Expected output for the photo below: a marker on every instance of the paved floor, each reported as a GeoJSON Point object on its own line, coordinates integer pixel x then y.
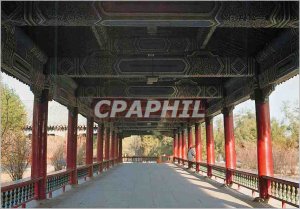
{"type": "Point", "coordinates": [149, 185]}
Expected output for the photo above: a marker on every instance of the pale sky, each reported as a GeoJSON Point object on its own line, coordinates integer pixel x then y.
{"type": "Point", "coordinates": [58, 114]}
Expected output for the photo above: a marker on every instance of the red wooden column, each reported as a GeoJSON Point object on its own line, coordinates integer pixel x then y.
{"type": "Point", "coordinates": [179, 145]}
{"type": "Point", "coordinates": [72, 143]}
{"type": "Point", "coordinates": [198, 147]}
{"type": "Point", "coordinates": [107, 139]}
{"type": "Point", "coordinates": [183, 143]}
{"type": "Point", "coordinates": [39, 142]}
{"type": "Point", "coordinates": [112, 148]}
{"type": "Point", "coordinates": [210, 147]}
{"type": "Point", "coordinates": [190, 137]}
{"type": "Point", "coordinates": [116, 147]}
{"type": "Point", "coordinates": [175, 148]}
{"type": "Point", "coordinates": [120, 149]}
{"type": "Point", "coordinates": [100, 136]}
{"type": "Point", "coordinates": [264, 143]}
{"type": "Point", "coordinates": [190, 141]}
{"type": "Point", "coordinates": [89, 145]}
{"type": "Point", "coordinates": [230, 154]}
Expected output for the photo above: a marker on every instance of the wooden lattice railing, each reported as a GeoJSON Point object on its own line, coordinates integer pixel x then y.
{"type": "Point", "coordinates": [18, 193]}
{"type": "Point", "coordinates": [57, 180]}
{"type": "Point", "coordinates": [285, 191]}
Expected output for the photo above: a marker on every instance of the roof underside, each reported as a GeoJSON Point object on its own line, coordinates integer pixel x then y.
{"type": "Point", "coordinates": [214, 51]}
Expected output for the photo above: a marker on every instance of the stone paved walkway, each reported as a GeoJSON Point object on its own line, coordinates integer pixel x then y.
{"type": "Point", "coordinates": [149, 185]}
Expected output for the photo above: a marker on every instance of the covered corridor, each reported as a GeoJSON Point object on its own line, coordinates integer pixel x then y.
{"type": "Point", "coordinates": [147, 68]}
{"type": "Point", "coordinates": [150, 185]}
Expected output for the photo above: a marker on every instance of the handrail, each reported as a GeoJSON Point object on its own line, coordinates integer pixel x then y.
{"type": "Point", "coordinates": [18, 183]}
{"type": "Point", "coordinates": [60, 172]}
{"type": "Point", "coordinates": [282, 190]}
{"type": "Point", "coordinates": [82, 167]}
{"type": "Point", "coordinates": [243, 172]}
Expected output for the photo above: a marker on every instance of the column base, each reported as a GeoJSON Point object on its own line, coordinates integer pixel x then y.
{"type": "Point", "coordinates": [226, 185]}
{"type": "Point", "coordinates": [260, 199]}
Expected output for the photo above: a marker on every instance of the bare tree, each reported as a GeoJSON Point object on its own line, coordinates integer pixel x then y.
{"type": "Point", "coordinates": [17, 154]}
{"type": "Point", "coordinates": [57, 159]}
{"type": "Point", "coordinates": [81, 155]}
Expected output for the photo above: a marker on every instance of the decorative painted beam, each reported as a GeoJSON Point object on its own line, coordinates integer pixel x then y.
{"type": "Point", "coordinates": [21, 58]}
{"type": "Point", "coordinates": [101, 36]}
{"type": "Point", "coordinates": [185, 88]}
{"type": "Point", "coordinates": [149, 44]}
{"type": "Point", "coordinates": [143, 14]}
{"type": "Point", "coordinates": [25, 61]}
{"type": "Point", "coordinates": [199, 64]}
{"type": "Point", "coordinates": [279, 60]}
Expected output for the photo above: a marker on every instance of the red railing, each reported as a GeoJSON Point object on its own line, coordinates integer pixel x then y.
{"type": "Point", "coordinates": [285, 191]}
{"type": "Point", "coordinates": [245, 179]}
{"type": "Point", "coordinates": [18, 193]}
{"type": "Point", "coordinates": [57, 180]}
{"type": "Point", "coordinates": [218, 171]}
{"type": "Point", "coordinates": [202, 167]}
{"type": "Point", "coordinates": [83, 171]}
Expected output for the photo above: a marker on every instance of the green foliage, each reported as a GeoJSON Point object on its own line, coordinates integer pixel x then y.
{"type": "Point", "coordinates": [219, 138]}
{"type": "Point", "coordinates": [245, 127]}
{"type": "Point", "coordinates": [291, 113]}
{"type": "Point", "coordinates": [203, 141]}
{"type": "Point", "coordinates": [13, 113]}
{"type": "Point", "coordinates": [148, 145]}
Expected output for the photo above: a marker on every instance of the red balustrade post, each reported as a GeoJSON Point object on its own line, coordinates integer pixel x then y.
{"type": "Point", "coordinates": [198, 145]}
{"type": "Point", "coordinates": [112, 148]}
{"type": "Point", "coordinates": [230, 154]}
{"type": "Point", "coordinates": [39, 142]}
{"type": "Point", "coordinates": [89, 145]}
{"type": "Point", "coordinates": [210, 147]}
{"type": "Point", "coordinates": [120, 149]}
{"type": "Point", "coordinates": [183, 148]}
{"type": "Point", "coordinates": [179, 146]}
{"type": "Point", "coordinates": [264, 143]}
{"type": "Point", "coordinates": [100, 136]}
{"type": "Point", "coordinates": [107, 138]}
{"type": "Point", "coordinates": [175, 147]}
{"type": "Point", "coordinates": [190, 141]}
{"type": "Point", "coordinates": [72, 143]}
